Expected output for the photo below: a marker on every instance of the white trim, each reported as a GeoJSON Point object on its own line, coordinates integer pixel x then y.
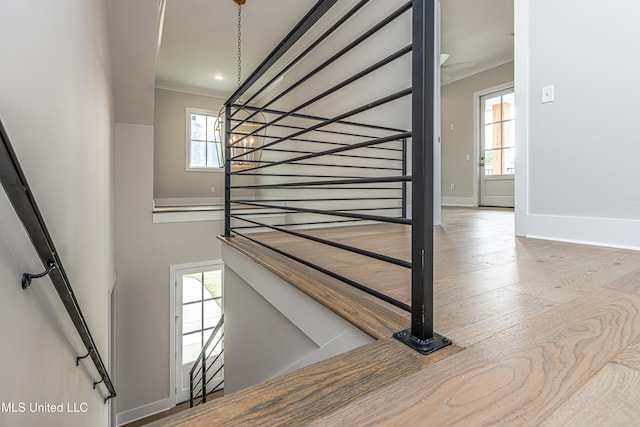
{"type": "Point", "coordinates": [113, 315]}
{"type": "Point", "coordinates": [521, 75]}
{"type": "Point", "coordinates": [191, 90]}
{"type": "Point", "coordinates": [467, 202]}
{"type": "Point", "coordinates": [476, 134]}
{"type": "Point", "coordinates": [197, 216]}
{"type": "Point", "coordinates": [486, 66]}
{"type": "Point", "coordinates": [189, 201]}
{"type": "Point", "coordinates": [187, 126]}
{"type": "Point", "coordinates": [610, 232]}
{"type": "Point", "coordinates": [211, 214]}
{"type": "Point", "coordinates": [437, 114]}
{"type": "Point", "coordinates": [144, 411]}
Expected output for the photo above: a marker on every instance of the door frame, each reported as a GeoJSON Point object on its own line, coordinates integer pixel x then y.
{"type": "Point", "coordinates": [477, 136]}
{"type": "Point", "coordinates": [174, 269]}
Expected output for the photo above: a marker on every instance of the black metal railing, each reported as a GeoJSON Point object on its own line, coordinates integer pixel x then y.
{"type": "Point", "coordinates": [312, 139]}
{"type": "Point", "coordinates": [207, 374]}
{"type": "Point", "coordinates": [24, 203]}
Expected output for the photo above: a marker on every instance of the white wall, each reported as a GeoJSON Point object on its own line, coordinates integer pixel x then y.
{"type": "Point", "coordinates": [577, 166]}
{"type": "Point", "coordinates": [55, 102]}
{"type": "Point", "coordinates": [171, 179]}
{"type": "Point", "coordinates": [144, 252]}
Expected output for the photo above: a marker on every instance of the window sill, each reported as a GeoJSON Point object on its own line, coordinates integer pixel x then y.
{"type": "Point", "coordinates": [206, 170]}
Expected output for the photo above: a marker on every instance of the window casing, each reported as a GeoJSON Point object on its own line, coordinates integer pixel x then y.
{"type": "Point", "coordinates": [204, 148]}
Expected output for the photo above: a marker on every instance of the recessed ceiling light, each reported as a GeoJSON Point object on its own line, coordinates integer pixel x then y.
{"type": "Point", "coordinates": [218, 77]}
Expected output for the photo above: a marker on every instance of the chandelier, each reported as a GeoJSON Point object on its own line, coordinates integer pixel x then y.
{"type": "Point", "coordinates": [247, 132]}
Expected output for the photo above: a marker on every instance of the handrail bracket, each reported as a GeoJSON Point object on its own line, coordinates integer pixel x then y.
{"type": "Point", "coordinates": [26, 277]}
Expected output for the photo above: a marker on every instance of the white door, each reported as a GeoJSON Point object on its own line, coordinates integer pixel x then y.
{"type": "Point", "coordinates": [497, 149]}
{"type": "Point", "coordinates": [198, 308]}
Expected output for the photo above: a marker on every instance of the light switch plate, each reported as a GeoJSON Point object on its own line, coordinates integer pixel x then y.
{"type": "Point", "coordinates": [548, 94]}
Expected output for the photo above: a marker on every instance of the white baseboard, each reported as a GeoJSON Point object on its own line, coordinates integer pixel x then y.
{"type": "Point", "coordinates": [144, 411]}
{"type": "Point", "coordinates": [615, 233]}
{"type": "Point", "coordinates": [458, 201]}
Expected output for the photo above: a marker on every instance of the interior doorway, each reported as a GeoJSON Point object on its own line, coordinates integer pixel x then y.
{"type": "Point", "coordinates": [198, 305]}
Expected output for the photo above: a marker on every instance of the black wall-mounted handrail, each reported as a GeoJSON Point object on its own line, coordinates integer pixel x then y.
{"type": "Point", "coordinates": [24, 203]}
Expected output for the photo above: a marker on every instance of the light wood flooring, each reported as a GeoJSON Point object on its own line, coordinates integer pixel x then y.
{"type": "Point", "coordinates": [545, 333]}
{"type": "Point", "coordinates": [175, 410]}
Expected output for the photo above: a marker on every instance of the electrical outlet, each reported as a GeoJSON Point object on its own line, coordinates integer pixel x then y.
{"type": "Point", "coordinates": [548, 94]}
{"type": "Point", "coordinates": [453, 186]}
{"type": "Point", "coordinates": [213, 189]}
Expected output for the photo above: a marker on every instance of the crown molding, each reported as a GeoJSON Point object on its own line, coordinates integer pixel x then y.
{"type": "Point", "coordinates": [191, 90]}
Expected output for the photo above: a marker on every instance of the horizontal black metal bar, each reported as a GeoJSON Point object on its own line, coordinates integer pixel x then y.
{"type": "Point", "coordinates": [293, 175]}
{"type": "Point", "coordinates": [330, 273]}
{"type": "Point", "coordinates": [208, 343]}
{"type": "Point", "coordinates": [319, 118]}
{"type": "Point", "coordinates": [331, 182]}
{"type": "Point", "coordinates": [374, 104]}
{"type": "Point", "coordinates": [213, 347]}
{"type": "Point", "coordinates": [218, 356]}
{"type": "Point", "coordinates": [301, 223]}
{"type": "Point", "coordinates": [332, 199]}
{"type": "Point", "coordinates": [285, 208]}
{"type": "Point", "coordinates": [308, 50]}
{"type": "Point", "coordinates": [318, 141]}
{"type": "Point", "coordinates": [327, 165]}
{"type": "Point", "coordinates": [337, 213]}
{"type": "Point", "coordinates": [214, 375]}
{"type": "Point", "coordinates": [308, 21]}
{"type": "Point", "coordinates": [355, 77]}
{"type": "Point", "coordinates": [337, 155]}
{"type": "Point", "coordinates": [392, 17]}
{"type": "Point", "coordinates": [353, 249]}
{"type": "Point", "coordinates": [218, 385]}
{"type": "Point", "coordinates": [330, 165]}
{"type": "Point", "coordinates": [343, 188]}
{"type": "Point", "coordinates": [198, 362]}
{"type": "Point", "coordinates": [262, 213]}
{"type": "Point", "coordinates": [198, 393]}
{"type": "Point", "coordinates": [368, 209]}
{"type": "Point", "coordinates": [24, 203]}
{"type": "Point", "coordinates": [369, 143]}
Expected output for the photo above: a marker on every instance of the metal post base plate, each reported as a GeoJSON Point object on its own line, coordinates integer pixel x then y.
{"type": "Point", "coordinates": [423, 347]}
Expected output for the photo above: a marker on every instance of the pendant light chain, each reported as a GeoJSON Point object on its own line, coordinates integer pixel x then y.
{"type": "Point", "coordinates": [239, 44]}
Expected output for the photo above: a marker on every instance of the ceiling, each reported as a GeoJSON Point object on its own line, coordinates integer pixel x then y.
{"type": "Point", "coordinates": [199, 39]}
{"type": "Point", "coordinates": [477, 34]}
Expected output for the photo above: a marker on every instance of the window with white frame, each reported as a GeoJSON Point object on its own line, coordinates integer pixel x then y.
{"type": "Point", "coordinates": [203, 143]}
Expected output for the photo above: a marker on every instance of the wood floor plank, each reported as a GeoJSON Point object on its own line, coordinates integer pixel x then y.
{"type": "Point", "coordinates": [301, 396]}
{"type": "Point", "coordinates": [630, 356]}
{"type": "Point", "coordinates": [577, 279]}
{"type": "Point", "coordinates": [473, 319]}
{"type": "Point", "coordinates": [610, 399]}
{"type": "Point", "coordinates": [373, 316]}
{"type": "Point", "coordinates": [518, 377]}
{"type": "Point", "coordinates": [628, 283]}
